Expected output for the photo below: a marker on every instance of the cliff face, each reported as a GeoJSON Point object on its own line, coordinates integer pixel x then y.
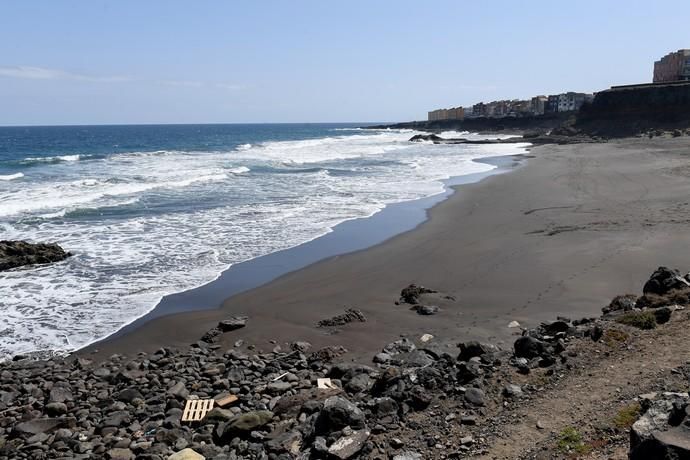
{"type": "Point", "coordinates": [618, 112]}
{"type": "Point", "coordinates": [635, 109]}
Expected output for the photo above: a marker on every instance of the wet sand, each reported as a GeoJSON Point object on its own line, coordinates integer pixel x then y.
{"type": "Point", "coordinates": [562, 235]}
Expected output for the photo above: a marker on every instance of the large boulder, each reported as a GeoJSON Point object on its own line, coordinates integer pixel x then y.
{"type": "Point", "coordinates": [292, 405]}
{"type": "Point", "coordinates": [231, 324]}
{"type": "Point", "coordinates": [411, 293]}
{"type": "Point", "coordinates": [287, 442]}
{"type": "Point", "coordinates": [415, 358]}
{"type": "Point", "coordinates": [673, 444]}
{"type": "Point", "coordinates": [662, 431]}
{"type": "Point", "coordinates": [337, 413]}
{"type": "Point", "coordinates": [120, 453]}
{"type": "Point", "coordinates": [529, 347]}
{"type": "Point", "coordinates": [624, 302]}
{"type": "Point", "coordinates": [403, 345]}
{"type": "Point", "coordinates": [469, 350]}
{"type": "Point", "coordinates": [475, 397]}
{"type": "Point", "coordinates": [425, 137]}
{"type": "Point", "coordinates": [349, 445]}
{"type": "Point", "coordinates": [19, 253]}
{"type": "Point", "coordinates": [244, 424]}
{"type": "Point", "coordinates": [44, 425]}
{"type": "Point", "coordinates": [664, 280]}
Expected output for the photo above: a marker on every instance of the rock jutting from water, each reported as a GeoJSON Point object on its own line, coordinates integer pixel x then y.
{"type": "Point", "coordinates": [15, 254]}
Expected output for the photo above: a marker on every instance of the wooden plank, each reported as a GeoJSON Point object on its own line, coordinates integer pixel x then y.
{"type": "Point", "coordinates": [196, 409]}
{"type": "Point", "coordinates": [225, 400]}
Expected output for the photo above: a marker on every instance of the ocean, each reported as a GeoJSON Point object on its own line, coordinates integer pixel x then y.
{"type": "Point", "coordinates": [153, 210]}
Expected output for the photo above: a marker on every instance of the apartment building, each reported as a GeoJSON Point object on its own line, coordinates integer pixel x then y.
{"type": "Point", "coordinates": [673, 67]}
{"type": "Point", "coordinates": [454, 113]}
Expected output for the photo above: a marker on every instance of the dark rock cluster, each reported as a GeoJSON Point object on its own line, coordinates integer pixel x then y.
{"type": "Point", "coordinates": [351, 315]}
{"type": "Point", "coordinates": [298, 403]}
{"type": "Point", "coordinates": [413, 294]}
{"type": "Point", "coordinates": [132, 408]}
{"type": "Point", "coordinates": [15, 254]}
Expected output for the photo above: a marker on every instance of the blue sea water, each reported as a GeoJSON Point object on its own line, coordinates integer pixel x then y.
{"type": "Point", "coordinates": [152, 210]}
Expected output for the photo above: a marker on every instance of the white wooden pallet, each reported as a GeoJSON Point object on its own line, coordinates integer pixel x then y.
{"type": "Point", "coordinates": [196, 409]}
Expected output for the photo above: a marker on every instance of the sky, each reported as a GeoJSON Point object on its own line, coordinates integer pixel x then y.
{"type": "Point", "coordinates": [167, 61]}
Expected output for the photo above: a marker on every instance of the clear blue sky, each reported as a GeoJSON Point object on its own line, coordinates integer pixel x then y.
{"type": "Point", "coordinates": [122, 61]}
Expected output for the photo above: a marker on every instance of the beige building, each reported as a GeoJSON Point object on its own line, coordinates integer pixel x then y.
{"type": "Point", "coordinates": [455, 113]}
{"type": "Point", "coordinates": [673, 67]}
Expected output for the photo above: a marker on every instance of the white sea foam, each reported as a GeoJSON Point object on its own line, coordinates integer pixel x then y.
{"type": "Point", "coordinates": [83, 192]}
{"type": "Point", "coordinates": [329, 148]}
{"type": "Point", "coordinates": [53, 159]}
{"type": "Point", "coordinates": [193, 214]}
{"type": "Point", "coordinates": [8, 177]}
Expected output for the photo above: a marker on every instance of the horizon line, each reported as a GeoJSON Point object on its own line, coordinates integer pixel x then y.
{"type": "Point", "coordinates": [192, 124]}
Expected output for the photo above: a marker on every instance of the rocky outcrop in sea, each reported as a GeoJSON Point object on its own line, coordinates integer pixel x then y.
{"type": "Point", "coordinates": [15, 254]}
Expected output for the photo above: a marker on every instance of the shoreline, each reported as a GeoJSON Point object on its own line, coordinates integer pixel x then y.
{"type": "Point", "coordinates": [575, 226]}
{"type": "Point", "coordinates": [347, 237]}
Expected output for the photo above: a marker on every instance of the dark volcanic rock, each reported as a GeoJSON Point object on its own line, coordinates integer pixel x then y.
{"type": "Point", "coordinates": [672, 444]}
{"type": "Point", "coordinates": [475, 397]}
{"type": "Point", "coordinates": [44, 425]}
{"type": "Point", "coordinates": [349, 445]}
{"type": "Point", "coordinates": [211, 336]}
{"type": "Point", "coordinates": [425, 137]}
{"type": "Point", "coordinates": [293, 404]}
{"type": "Point", "coordinates": [662, 315]}
{"type": "Point", "coordinates": [337, 413]}
{"type": "Point", "coordinates": [426, 310]}
{"type": "Point", "coordinates": [529, 347]}
{"type": "Point", "coordinates": [231, 324]}
{"type": "Point", "coordinates": [19, 253]}
{"type": "Point", "coordinates": [350, 315]}
{"type": "Point", "coordinates": [555, 327]}
{"type": "Point", "coordinates": [403, 345]}
{"type": "Point", "coordinates": [289, 443]}
{"type": "Point", "coordinates": [469, 350]}
{"type": "Point", "coordinates": [412, 292]}
{"type": "Point", "coordinates": [662, 431]}
{"type": "Point", "coordinates": [664, 280]}
{"type": "Point", "coordinates": [621, 303]}
{"type": "Point", "coordinates": [245, 423]}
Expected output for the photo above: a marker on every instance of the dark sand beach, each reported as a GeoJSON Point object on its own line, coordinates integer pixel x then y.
{"type": "Point", "coordinates": [562, 235]}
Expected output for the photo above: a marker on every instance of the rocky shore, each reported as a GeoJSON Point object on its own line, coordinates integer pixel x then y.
{"type": "Point", "coordinates": [532, 138]}
{"type": "Point", "coordinates": [416, 399]}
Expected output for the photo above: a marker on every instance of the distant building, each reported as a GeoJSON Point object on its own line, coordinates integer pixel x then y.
{"type": "Point", "coordinates": [551, 104]}
{"type": "Point", "coordinates": [520, 108]}
{"type": "Point", "coordinates": [568, 102]}
{"type": "Point", "coordinates": [455, 113]}
{"type": "Point", "coordinates": [469, 112]}
{"type": "Point", "coordinates": [497, 109]}
{"type": "Point", "coordinates": [673, 67]}
{"type": "Point", "coordinates": [538, 105]}
{"type": "Point", "coordinates": [479, 110]}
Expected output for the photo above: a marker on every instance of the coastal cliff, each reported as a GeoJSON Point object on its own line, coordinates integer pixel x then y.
{"type": "Point", "coordinates": [629, 110]}
{"type": "Point", "coordinates": [618, 112]}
